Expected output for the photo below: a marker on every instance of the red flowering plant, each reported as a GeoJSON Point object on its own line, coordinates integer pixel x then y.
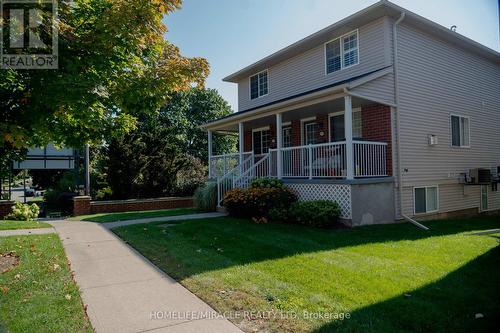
{"type": "Point", "coordinates": [256, 202]}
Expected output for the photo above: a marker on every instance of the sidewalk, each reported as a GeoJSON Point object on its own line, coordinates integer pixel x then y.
{"type": "Point", "coordinates": [22, 232]}
{"type": "Point", "coordinates": [124, 292]}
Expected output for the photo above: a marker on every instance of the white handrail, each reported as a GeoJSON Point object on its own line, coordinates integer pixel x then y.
{"type": "Point", "coordinates": [227, 181]}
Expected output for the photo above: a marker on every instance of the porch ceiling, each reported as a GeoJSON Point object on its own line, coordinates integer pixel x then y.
{"type": "Point", "coordinates": [321, 108]}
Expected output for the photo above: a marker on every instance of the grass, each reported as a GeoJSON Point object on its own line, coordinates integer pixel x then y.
{"type": "Point", "coordinates": [113, 217]}
{"type": "Point", "coordinates": [11, 225]}
{"type": "Point", "coordinates": [389, 278]}
{"type": "Point", "coordinates": [39, 295]}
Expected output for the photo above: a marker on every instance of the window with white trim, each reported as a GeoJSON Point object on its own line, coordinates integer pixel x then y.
{"type": "Point", "coordinates": [337, 130]}
{"type": "Point", "coordinates": [460, 132]}
{"type": "Point", "coordinates": [261, 141]}
{"type": "Point", "coordinates": [342, 52]}
{"type": "Point", "coordinates": [287, 136]}
{"type": "Point", "coordinates": [425, 199]}
{"type": "Point", "coordinates": [258, 85]}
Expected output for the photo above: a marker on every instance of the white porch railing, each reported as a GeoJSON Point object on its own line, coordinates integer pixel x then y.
{"type": "Point", "coordinates": [220, 165]}
{"type": "Point", "coordinates": [326, 160]}
{"type": "Point", "coordinates": [227, 181]}
{"type": "Point", "coordinates": [370, 159]}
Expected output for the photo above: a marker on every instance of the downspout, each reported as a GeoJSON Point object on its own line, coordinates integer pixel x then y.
{"type": "Point", "coordinates": [398, 123]}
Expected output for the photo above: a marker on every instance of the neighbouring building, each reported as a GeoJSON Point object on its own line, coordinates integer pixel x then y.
{"type": "Point", "coordinates": [389, 114]}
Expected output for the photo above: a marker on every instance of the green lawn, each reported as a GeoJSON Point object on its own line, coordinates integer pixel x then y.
{"type": "Point", "coordinates": [39, 295]}
{"type": "Point", "coordinates": [113, 217]}
{"type": "Point", "coordinates": [390, 278]}
{"type": "Point", "coordinates": [11, 225]}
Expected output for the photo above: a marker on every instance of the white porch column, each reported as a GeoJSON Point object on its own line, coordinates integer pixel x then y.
{"type": "Point", "coordinates": [209, 154]}
{"type": "Point", "coordinates": [349, 149]}
{"type": "Point", "coordinates": [241, 136]}
{"type": "Point", "coordinates": [279, 144]}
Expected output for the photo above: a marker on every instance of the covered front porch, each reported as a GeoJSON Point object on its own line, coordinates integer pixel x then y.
{"type": "Point", "coordinates": [344, 137]}
{"type": "Point", "coordinates": [339, 138]}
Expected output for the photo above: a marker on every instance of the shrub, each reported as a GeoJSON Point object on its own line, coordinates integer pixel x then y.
{"type": "Point", "coordinates": [24, 212]}
{"type": "Point", "coordinates": [60, 201]}
{"type": "Point", "coordinates": [257, 201]}
{"type": "Point", "coordinates": [189, 178]}
{"type": "Point", "coordinates": [205, 197]}
{"type": "Point", "coordinates": [267, 183]}
{"type": "Point", "coordinates": [317, 213]}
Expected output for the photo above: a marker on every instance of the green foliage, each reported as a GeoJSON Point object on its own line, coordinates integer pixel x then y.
{"type": "Point", "coordinates": [188, 179]}
{"type": "Point", "coordinates": [114, 63]}
{"type": "Point", "coordinates": [24, 212]}
{"type": "Point", "coordinates": [317, 213]}
{"type": "Point", "coordinates": [256, 202]}
{"type": "Point", "coordinates": [59, 197]}
{"type": "Point", "coordinates": [389, 278]}
{"type": "Point", "coordinates": [186, 111]}
{"type": "Point", "coordinates": [165, 155]}
{"type": "Point", "coordinates": [205, 197]}
{"type": "Point", "coordinates": [267, 183]}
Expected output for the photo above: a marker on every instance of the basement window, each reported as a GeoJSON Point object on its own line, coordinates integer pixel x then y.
{"type": "Point", "coordinates": [425, 199]}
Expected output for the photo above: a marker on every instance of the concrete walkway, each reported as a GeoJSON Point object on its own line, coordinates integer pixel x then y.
{"type": "Point", "coordinates": [125, 292]}
{"type": "Point", "coordinates": [111, 225]}
{"type": "Point", "coordinates": [22, 232]}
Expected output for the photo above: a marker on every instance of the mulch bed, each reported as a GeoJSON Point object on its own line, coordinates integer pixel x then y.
{"type": "Point", "coordinates": [8, 261]}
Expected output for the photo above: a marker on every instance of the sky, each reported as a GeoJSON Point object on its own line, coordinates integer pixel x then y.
{"type": "Point", "coordinates": [232, 34]}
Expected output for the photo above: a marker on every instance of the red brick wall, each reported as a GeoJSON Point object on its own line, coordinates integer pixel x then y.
{"type": "Point", "coordinates": [376, 123]}
{"type": "Point", "coordinates": [83, 207]}
{"type": "Point", "coordinates": [322, 121]}
{"type": "Point", "coordinates": [296, 136]}
{"type": "Point", "coordinates": [247, 141]}
{"type": "Point", "coordinates": [5, 208]}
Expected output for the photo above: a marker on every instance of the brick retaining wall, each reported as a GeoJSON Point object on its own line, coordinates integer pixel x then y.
{"type": "Point", "coordinates": [83, 205]}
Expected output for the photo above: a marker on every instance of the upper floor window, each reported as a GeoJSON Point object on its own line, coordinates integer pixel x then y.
{"type": "Point", "coordinates": [460, 133]}
{"type": "Point", "coordinates": [258, 85]}
{"type": "Point", "coordinates": [342, 52]}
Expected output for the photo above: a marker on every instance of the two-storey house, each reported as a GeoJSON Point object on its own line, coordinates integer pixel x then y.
{"type": "Point", "coordinates": [385, 112]}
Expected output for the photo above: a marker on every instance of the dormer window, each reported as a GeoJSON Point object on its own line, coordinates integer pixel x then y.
{"type": "Point", "coordinates": [342, 52]}
{"type": "Point", "coordinates": [258, 85]}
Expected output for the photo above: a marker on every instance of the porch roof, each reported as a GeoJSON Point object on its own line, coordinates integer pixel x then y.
{"type": "Point", "coordinates": [337, 89]}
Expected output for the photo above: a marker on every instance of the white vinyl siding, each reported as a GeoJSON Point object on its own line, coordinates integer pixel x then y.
{"type": "Point", "coordinates": [342, 52]}
{"type": "Point", "coordinates": [460, 131]}
{"type": "Point", "coordinates": [259, 85]}
{"type": "Point", "coordinates": [436, 80]}
{"type": "Point", "coordinates": [306, 71]}
{"type": "Point", "coordinates": [425, 199]}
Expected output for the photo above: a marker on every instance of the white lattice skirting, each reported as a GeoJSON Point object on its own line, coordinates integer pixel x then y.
{"type": "Point", "coordinates": [335, 192]}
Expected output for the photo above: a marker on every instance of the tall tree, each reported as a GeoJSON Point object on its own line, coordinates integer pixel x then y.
{"type": "Point", "coordinates": [187, 110]}
{"type": "Point", "coordinates": [114, 63]}
{"type": "Point", "coordinates": [147, 161]}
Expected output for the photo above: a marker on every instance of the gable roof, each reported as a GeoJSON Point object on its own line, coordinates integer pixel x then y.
{"type": "Point", "coordinates": [364, 16]}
